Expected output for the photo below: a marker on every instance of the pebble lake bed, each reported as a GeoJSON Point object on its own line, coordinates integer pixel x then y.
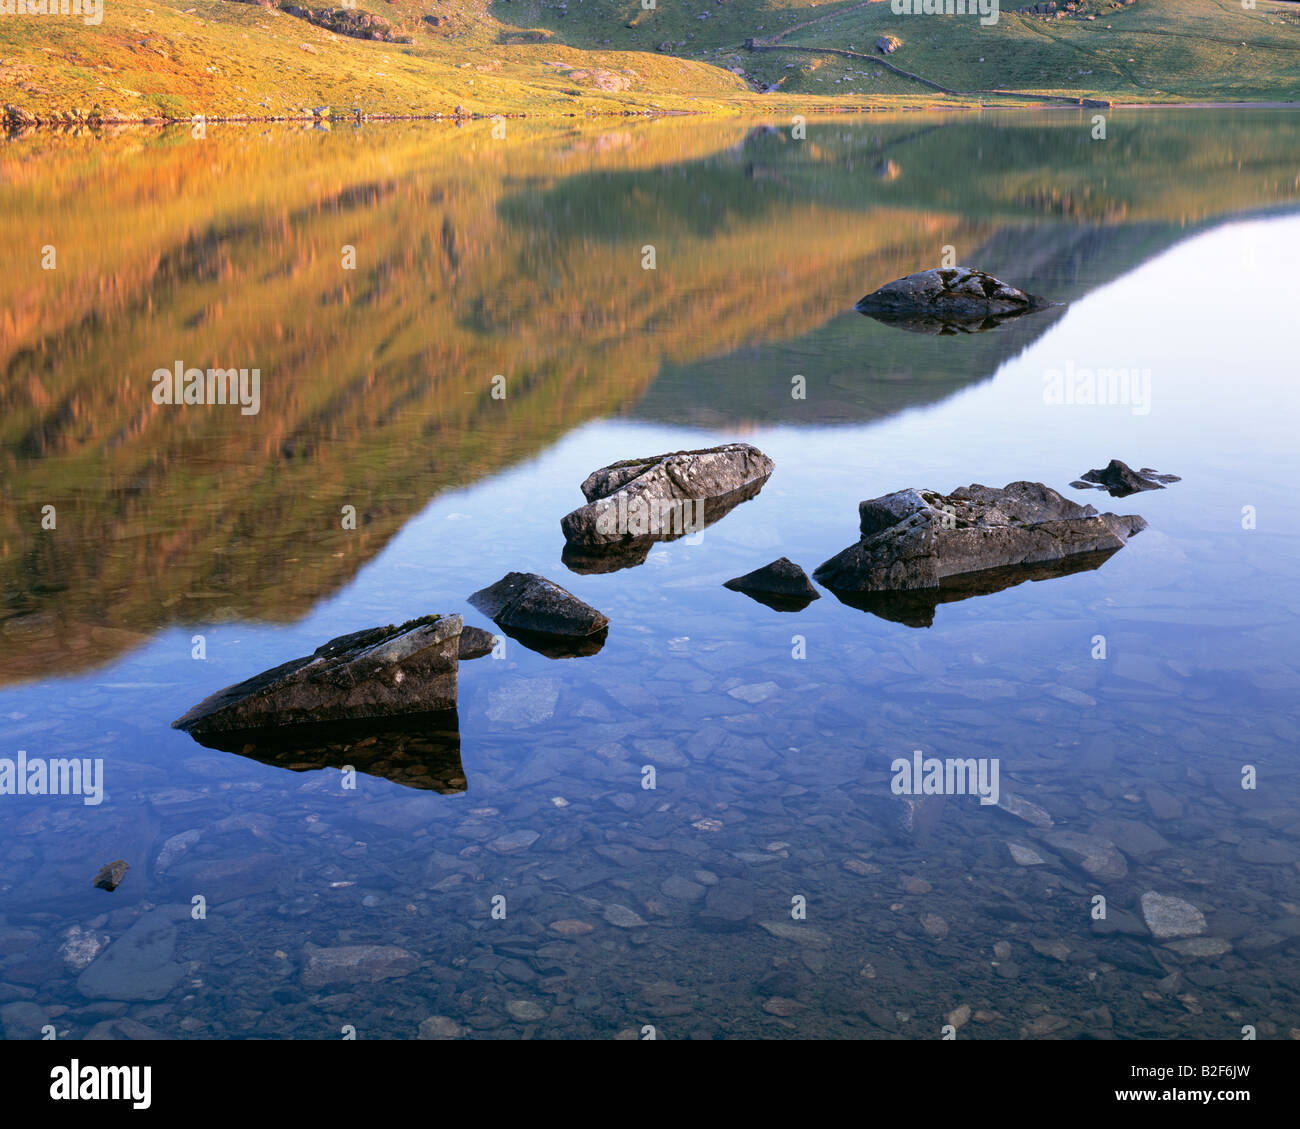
{"type": "Point", "coordinates": [695, 827]}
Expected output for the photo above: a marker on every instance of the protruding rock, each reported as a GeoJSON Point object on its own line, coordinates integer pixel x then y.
{"type": "Point", "coordinates": [665, 496]}
{"type": "Point", "coordinates": [782, 585]}
{"type": "Point", "coordinates": [380, 672]}
{"type": "Point", "coordinates": [110, 875]}
{"type": "Point", "coordinates": [1120, 480]}
{"type": "Point", "coordinates": [542, 615]}
{"type": "Point", "coordinates": [949, 300]}
{"type": "Point", "coordinates": [475, 643]}
{"type": "Point", "coordinates": [918, 539]}
{"type": "Point", "coordinates": [888, 44]}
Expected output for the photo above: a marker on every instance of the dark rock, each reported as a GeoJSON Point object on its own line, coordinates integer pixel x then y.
{"type": "Point", "coordinates": [541, 614]}
{"type": "Point", "coordinates": [665, 496]}
{"type": "Point", "coordinates": [782, 585]}
{"type": "Point", "coordinates": [888, 44]}
{"type": "Point", "coordinates": [1121, 480]}
{"type": "Point", "coordinates": [917, 539]}
{"type": "Point", "coordinates": [949, 300]}
{"type": "Point", "coordinates": [475, 643]}
{"type": "Point", "coordinates": [110, 875]}
{"type": "Point", "coordinates": [380, 672]}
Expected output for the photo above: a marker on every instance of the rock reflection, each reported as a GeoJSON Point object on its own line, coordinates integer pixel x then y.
{"type": "Point", "coordinates": [916, 607]}
{"type": "Point", "coordinates": [417, 751]}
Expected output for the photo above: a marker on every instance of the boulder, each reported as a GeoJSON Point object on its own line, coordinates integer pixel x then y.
{"type": "Point", "coordinates": [542, 615]}
{"type": "Point", "coordinates": [665, 496]}
{"type": "Point", "coordinates": [916, 539]}
{"type": "Point", "coordinates": [949, 300]}
{"type": "Point", "coordinates": [475, 643]}
{"type": "Point", "coordinates": [1120, 480]}
{"type": "Point", "coordinates": [888, 44]}
{"type": "Point", "coordinates": [782, 585]}
{"type": "Point", "coordinates": [379, 672]}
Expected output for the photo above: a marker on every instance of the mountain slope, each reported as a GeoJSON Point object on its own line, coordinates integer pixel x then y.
{"type": "Point", "coordinates": [224, 58]}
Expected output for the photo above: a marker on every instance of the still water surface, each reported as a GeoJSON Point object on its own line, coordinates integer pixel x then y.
{"type": "Point", "coordinates": [771, 734]}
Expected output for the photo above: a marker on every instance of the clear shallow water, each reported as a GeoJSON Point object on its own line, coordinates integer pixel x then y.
{"type": "Point", "coordinates": [772, 771]}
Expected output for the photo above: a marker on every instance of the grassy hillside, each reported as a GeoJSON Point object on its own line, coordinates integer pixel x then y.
{"type": "Point", "coordinates": [538, 57]}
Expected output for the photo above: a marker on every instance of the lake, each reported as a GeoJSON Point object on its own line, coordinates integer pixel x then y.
{"type": "Point", "coordinates": [452, 331]}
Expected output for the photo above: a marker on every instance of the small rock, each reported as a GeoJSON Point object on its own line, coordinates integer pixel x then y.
{"type": "Point", "coordinates": [110, 875]}
{"type": "Point", "coordinates": [779, 1005]}
{"type": "Point", "coordinates": [525, 1011]}
{"type": "Point", "coordinates": [356, 964]}
{"type": "Point", "coordinates": [571, 928]}
{"type": "Point", "coordinates": [622, 917]}
{"type": "Point", "coordinates": [934, 925]}
{"type": "Point", "coordinates": [440, 1027]}
{"type": "Point", "coordinates": [1171, 917]}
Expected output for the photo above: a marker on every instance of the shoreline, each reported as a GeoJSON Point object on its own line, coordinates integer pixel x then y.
{"type": "Point", "coordinates": [16, 121]}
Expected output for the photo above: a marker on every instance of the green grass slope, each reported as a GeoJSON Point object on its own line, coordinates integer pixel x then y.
{"type": "Point", "coordinates": [552, 57]}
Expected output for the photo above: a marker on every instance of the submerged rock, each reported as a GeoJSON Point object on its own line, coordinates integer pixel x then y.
{"type": "Point", "coordinates": [140, 964]}
{"type": "Point", "coordinates": [1171, 917]}
{"type": "Point", "coordinates": [1121, 480]}
{"type": "Point", "coordinates": [542, 615]}
{"type": "Point", "coordinates": [665, 496]}
{"type": "Point", "coordinates": [949, 300]}
{"type": "Point", "coordinates": [918, 539]}
{"type": "Point", "coordinates": [782, 585]}
{"type": "Point", "coordinates": [355, 964]}
{"type": "Point", "coordinates": [380, 672]}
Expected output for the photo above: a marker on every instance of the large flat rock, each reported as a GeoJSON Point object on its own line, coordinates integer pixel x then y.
{"type": "Point", "coordinates": [665, 496]}
{"type": "Point", "coordinates": [914, 539]}
{"type": "Point", "coordinates": [379, 672]}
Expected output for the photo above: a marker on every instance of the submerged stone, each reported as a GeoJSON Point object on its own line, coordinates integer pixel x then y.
{"type": "Point", "coordinates": [1171, 917]}
{"type": "Point", "coordinates": [379, 672]}
{"type": "Point", "coordinates": [139, 965]}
